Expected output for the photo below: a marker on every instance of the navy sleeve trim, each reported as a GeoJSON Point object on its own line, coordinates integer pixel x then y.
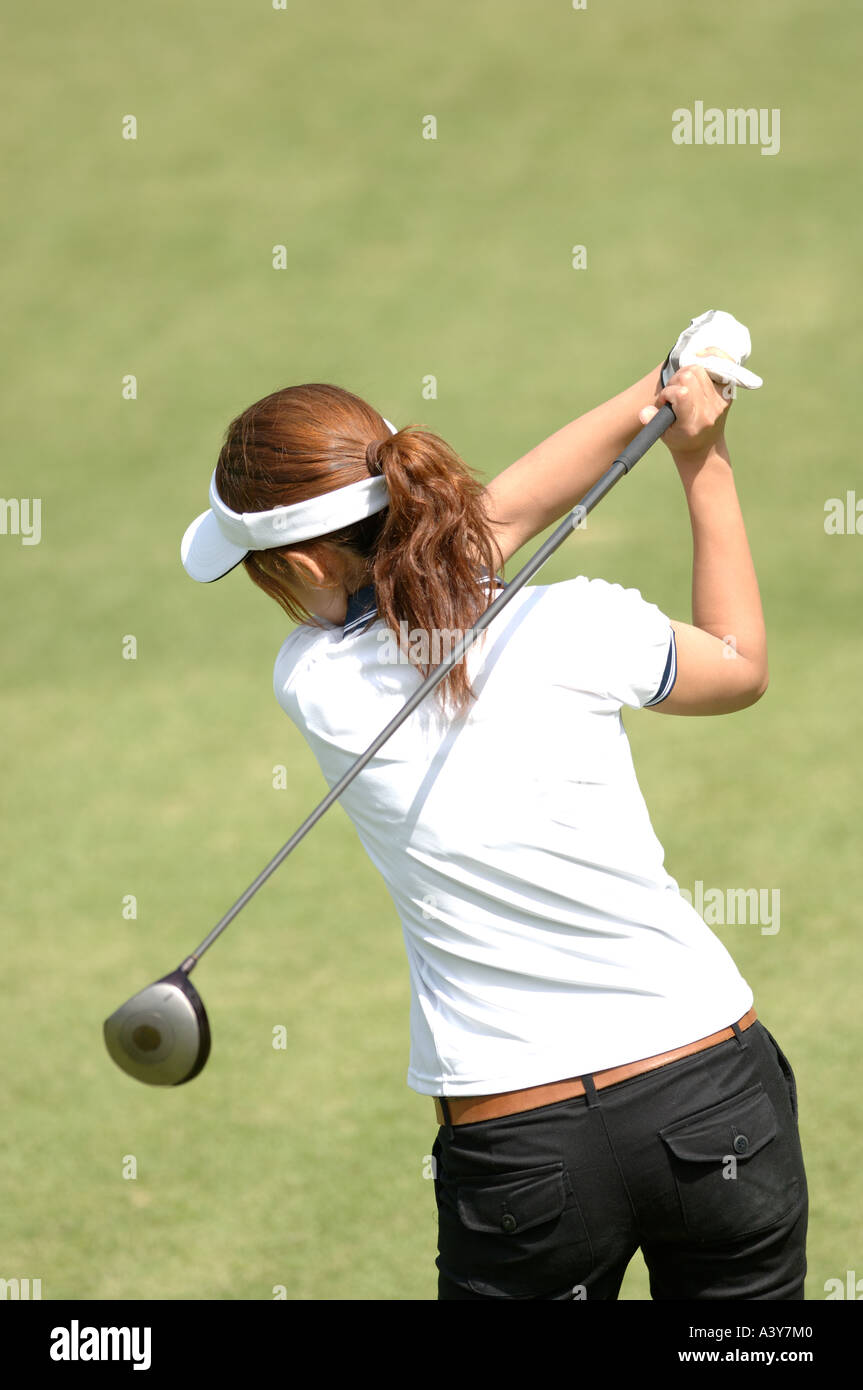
{"type": "Point", "coordinates": [669, 675]}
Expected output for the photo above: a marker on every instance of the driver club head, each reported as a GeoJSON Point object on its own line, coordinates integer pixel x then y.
{"type": "Point", "coordinates": [162, 1035]}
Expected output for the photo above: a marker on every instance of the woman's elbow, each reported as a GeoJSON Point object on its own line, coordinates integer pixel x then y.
{"type": "Point", "coordinates": [755, 687]}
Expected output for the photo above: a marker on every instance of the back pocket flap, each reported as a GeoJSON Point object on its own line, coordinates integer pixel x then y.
{"type": "Point", "coordinates": [510, 1202]}
{"type": "Point", "coordinates": [740, 1126]}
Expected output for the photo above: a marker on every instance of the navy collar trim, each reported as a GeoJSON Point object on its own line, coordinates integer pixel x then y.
{"type": "Point", "coordinates": [363, 608]}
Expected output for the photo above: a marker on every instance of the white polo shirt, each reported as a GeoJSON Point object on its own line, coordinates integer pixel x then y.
{"type": "Point", "coordinates": [544, 937]}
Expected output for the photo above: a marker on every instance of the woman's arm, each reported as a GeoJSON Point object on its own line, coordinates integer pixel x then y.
{"type": "Point", "coordinates": [546, 483]}
{"type": "Point", "coordinates": [722, 654]}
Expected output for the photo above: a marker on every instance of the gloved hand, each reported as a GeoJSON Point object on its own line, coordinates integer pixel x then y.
{"type": "Point", "coordinates": [714, 329]}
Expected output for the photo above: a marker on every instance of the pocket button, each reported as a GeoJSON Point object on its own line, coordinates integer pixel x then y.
{"type": "Point", "coordinates": [508, 1223]}
{"type": "Point", "coordinates": [741, 1144]}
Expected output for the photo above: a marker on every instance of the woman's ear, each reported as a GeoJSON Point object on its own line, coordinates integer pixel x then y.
{"type": "Point", "coordinates": [311, 569]}
{"type": "Point", "coordinates": [327, 567]}
{"type": "Point", "coordinates": [322, 571]}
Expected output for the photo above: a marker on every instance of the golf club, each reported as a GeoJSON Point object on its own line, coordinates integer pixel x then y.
{"type": "Point", "coordinates": [162, 1035]}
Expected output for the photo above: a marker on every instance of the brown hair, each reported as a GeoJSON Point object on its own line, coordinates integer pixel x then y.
{"type": "Point", "coordinates": [424, 552]}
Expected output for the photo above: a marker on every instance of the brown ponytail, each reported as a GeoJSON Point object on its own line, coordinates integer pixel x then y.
{"type": "Point", "coordinates": [434, 545]}
{"type": "Point", "coordinates": [424, 553]}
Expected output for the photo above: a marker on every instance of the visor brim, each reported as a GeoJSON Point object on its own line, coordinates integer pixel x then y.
{"type": "Point", "coordinates": [205, 553]}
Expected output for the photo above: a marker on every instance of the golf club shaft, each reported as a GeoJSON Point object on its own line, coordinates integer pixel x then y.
{"type": "Point", "coordinates": [621, 465]}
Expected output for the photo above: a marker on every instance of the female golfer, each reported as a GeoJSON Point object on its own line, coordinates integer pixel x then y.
{"type": "Point", "coordinates": [601, 1081]}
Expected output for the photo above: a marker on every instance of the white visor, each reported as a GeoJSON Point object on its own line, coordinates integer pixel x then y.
{"type": "Point", "coordinates": [219, 539]}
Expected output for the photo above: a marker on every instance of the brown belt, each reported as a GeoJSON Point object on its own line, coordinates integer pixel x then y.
{"type": "Point", "coordinates": [470, 1109]}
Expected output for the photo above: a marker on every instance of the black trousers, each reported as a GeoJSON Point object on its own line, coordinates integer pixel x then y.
{"type": "Point", "coordinates": [697, 1163]}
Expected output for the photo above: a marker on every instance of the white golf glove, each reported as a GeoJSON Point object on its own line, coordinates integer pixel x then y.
{"type": "Point", "coordinates": [715, 329]}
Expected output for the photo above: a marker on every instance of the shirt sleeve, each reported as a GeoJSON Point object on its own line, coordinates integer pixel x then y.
{"type": "Point", "coordinates": [290, 661]}
{"type": "Point", "coordinates": [634, 656]}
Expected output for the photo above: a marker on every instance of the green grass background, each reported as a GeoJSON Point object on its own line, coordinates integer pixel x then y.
{"type": "Point", "coordinates": [406, 257]}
